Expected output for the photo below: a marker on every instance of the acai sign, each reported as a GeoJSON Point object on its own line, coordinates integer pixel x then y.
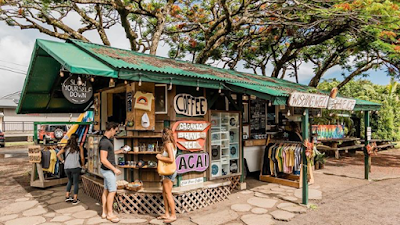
{"type": "Point", "coordinates": [195, 162]}
{"type": "Point", "coordinates": [186, 104]}
{"type": "Point", "coordinates": [77, 90]}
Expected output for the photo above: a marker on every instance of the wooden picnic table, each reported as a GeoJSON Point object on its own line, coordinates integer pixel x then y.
{"type": "Point", "coordinates": [381, 143]}
{"type": "Point", "coordinates": [340, 144]}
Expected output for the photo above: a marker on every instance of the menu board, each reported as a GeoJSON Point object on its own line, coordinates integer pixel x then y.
{"type": "Point", "coordinates": [257, 116]}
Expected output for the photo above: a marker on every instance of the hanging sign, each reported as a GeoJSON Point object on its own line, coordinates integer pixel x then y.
{"type": "Point", "coordinates": [341, 104]}
{"type": "Point", "coordinates": [190, 135]}
{"type": "Point", "coordinates": [195, 162]}
{"type": "Point", "coordinates": [307, 100]}
{"type": "Point", "coordinates": [77, 90]}
{"type": "Point", "coordinates": [369, 133]}
{"type": "Point", "coordinates": [186, 104]}
{"type": "Point", "coordinates": [328, 131]}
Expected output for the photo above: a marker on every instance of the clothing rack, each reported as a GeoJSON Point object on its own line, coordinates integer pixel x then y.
{"type": "Point", "coordinates": [286, 179]}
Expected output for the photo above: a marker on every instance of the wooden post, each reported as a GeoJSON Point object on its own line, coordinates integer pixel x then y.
{"type": "Point", "coordinates": [305, 132]}
{"type": "Point", "coordinates": [366, 155]}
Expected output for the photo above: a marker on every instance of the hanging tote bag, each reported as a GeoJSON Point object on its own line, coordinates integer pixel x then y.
{"type": "Point", "coordinates": [166, 169]}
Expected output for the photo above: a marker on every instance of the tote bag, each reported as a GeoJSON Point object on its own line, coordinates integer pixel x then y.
{"type": "Point", "coordinates": [166, 169]}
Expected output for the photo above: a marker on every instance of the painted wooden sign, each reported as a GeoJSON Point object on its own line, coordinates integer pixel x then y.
{"type": "Point", "coordinates": [194, 162]}
{"type": "Point", "coordinates": [341, 104]}
{"type": "Point", "coordinates": [328, 131]}
{"type": "Point", "coordinates": [186, 104]}
{"type": "Point", "coordinates": [307, 100]}
{"type": "Point", "coordinates": [192, 181]}
{"type": "Point", "coordinates": [191, 135]}
{"type": "Point", "coordinates": [77, 90]}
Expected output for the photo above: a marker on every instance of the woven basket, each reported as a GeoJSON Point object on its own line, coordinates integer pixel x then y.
{"type": "Point", "coordinates": [139, 186]}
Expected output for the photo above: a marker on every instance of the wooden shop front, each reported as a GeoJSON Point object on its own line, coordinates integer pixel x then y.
{"type": "Point", "coordinates": [208, 137]}
{"type": "Point", "coordinates": [210, 110]}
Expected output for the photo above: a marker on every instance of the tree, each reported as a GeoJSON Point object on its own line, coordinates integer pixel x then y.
{"type": "Point", "coordinates": [142, 21]}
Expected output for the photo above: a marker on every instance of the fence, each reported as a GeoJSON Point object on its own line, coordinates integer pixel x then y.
{"type": "Point", "coordinates": [17, 126]}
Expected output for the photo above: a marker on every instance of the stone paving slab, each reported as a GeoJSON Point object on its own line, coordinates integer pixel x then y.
{"type": "Point", "coordinates": [184, 222]}
{"type": "Point", "coordinates": [17, 207]}
{"type": "Point", "coordinates": [262, 202]}
{"type": "Point", "coordinates": [156, 222]}
{"type": "Point", "coordinates": [312, 194]}
{"type": "Point", "coordinates": [60, 218]}
{"type": "Point", "coordinates": [293, 208]}
{"type": "Point", "coordinates": [22, 199]}
{"type": "Point", "coordinates": [246, 192]}
{"type": "Point", "coordinates": [217, 218]}
{"type": "Point", "coordinates": [8, 217]}
{"type": "Point", "coordinates": [74, 222]}
{"type": "Point", "coordinates": [52, 214]}
{"type": "Point", "coordinates": [55, 200]}
{"type": "Point", "coordinates": [95, 220]}
{"type": "Point", "coordinates": [259, 211]}
{"type": "Point", "coordinates": [50, 223]}
{"type": "Point", "coordinates": [282, 215]}
{"type": "Point", "coordinates": [290, 198]}
{"type": "Point", "coordinates": [32, 220]}
{"type": "Point", "coordinates": [252, 219]}
{"type": "Point", "coordinates": [67, 208]}
{"type": "Point", "coordinates": [241, 207]}
{"type": "Point", "coordinates": [132, 221]}
{"type": "Point", "coordinates": [40, 193]}
{"type": "Point", "coordinates": [85, 214]}
{"type": "Point", "coordinates": [35, 211]}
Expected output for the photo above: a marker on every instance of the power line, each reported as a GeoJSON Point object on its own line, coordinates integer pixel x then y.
{"type": "Point", "coordinates": [13, 63]}
{"type": "Point", "coordinates": [13, 71]}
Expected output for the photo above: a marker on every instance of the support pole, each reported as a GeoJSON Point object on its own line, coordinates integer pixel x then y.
{"type": "Point", "coordinates": [366, 155]}
{"type": "Point", "coordinates": [305, 132]}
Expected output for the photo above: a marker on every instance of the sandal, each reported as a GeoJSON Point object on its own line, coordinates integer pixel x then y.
{"type": "Point", "coordinates": [103, 216]}
{"type": "Point", "coordinates": [162, 217]}
{"type": "Point", "coordinates": [113, 219]}
{"type": "Point", "coordinates": [168, 221]}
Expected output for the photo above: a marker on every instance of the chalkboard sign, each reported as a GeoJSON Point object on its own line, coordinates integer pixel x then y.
{"type": "Point", "coordinates": [257, 116]}
{"type": "Point", "coordinates": [77, 90]}
{"type": "Point", "coordinates": [129, 101]}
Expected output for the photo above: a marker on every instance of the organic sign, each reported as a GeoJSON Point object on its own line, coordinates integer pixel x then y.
{"type": "Point", "coordinates": [306, 100]}
{"type": "Point", "coordinates": [342, 104]}
{"type": "Point", "coordinates": [197, 162]}
{"type": "Point", "coordinates": [190, 135]}
{"type": "Point", "coordinates": [328, 131]}
{"type": "Point", "coordinates": [188, 105]}
{"type": "Point", "coordinates": [77, 90]}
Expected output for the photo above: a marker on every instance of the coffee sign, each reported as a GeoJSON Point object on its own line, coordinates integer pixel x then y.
{"type": "Point", "coordinates": [190, 135]}
{"type": "Point", "coordinates": [188, 105]}
{"type": "Point", "coordinates": [306, 100]}
{"type": "Point", "coordinates": [77, 90]}
{"type": "Point", "coordinates": [195, 162]}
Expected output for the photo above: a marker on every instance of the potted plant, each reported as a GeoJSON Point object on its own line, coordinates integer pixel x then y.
{"type": "Point", "coordinates": [320, 160]}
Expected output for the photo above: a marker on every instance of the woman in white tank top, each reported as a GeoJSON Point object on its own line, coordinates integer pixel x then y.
{"type": "Point", "coordinates": [168, 156]}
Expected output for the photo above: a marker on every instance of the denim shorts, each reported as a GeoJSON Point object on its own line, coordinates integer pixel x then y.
{"type": "Point", "coordinates": [110, 181]}
{"type": "Point", "coordinates": [171, 177]}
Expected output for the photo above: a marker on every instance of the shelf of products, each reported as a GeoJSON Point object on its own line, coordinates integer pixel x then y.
{"type": "Point", "coordinates": [142, 153]}
{"type": "Point", "coordinates": [225, 138]}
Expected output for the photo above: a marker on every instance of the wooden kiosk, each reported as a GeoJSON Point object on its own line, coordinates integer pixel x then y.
{"type": "Point", "coordinates": [210, 110]}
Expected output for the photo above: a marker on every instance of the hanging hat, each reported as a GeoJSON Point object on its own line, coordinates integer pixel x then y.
{"type": "Point", "coordinates": [145, 120]}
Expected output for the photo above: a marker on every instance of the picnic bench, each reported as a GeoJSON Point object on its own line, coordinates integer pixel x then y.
{"type": "Point", "coordinates": [381, 144]}
{"type": "Point", "coordinates": [339, 144]}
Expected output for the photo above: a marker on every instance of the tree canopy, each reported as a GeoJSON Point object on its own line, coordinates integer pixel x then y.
{"type": "Point", "coordinates": [357, 35]}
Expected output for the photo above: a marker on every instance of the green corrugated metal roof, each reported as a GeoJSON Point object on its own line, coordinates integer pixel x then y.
{"type": "Point", "coordinates": [87, 58]}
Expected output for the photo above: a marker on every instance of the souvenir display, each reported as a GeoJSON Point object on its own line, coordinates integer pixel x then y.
{"type": "Point", "coordinates": [143, 101]}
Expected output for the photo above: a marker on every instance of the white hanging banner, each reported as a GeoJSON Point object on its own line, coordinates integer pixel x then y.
{"type": "Point", "coordinates": [341, 104]}
{"type": "Point", "coordinates": [307, 100]}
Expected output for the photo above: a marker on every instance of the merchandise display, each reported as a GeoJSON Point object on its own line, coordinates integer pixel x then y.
{"type": "Point", "coordinates": [225, 136]}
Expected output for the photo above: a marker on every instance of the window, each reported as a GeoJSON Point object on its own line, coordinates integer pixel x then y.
{"type": "Point", "coordinates": [161, 98]}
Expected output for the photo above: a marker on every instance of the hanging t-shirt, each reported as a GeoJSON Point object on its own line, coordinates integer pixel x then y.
{"type": "Point", "coordinates": [143, 100]}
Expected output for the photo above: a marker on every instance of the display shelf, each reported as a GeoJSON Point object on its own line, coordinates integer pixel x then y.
{"type": "Point", "coordinates": [135, 167]}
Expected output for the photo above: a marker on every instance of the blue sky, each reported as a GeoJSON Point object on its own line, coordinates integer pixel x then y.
{"type": "Point", "coordinates": [16, 47]}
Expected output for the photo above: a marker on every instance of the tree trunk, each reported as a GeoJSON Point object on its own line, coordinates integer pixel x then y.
{"type": "Point", "coordinates": [357, 72]}
{"type": "Point", "coordinates": [161, 19]}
